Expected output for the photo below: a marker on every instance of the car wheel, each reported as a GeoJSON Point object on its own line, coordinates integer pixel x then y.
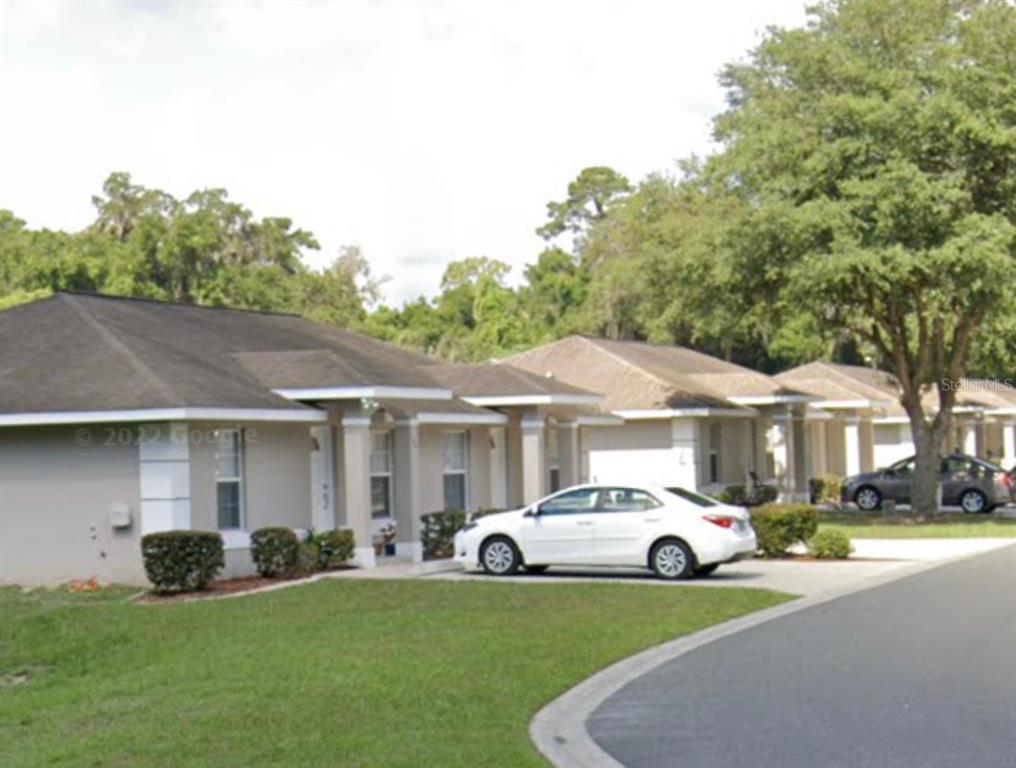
{"type": "Point", "coordinates": [973, 502]}
{"type": "Point", "coordinates": [706, 570]}
{"type": "Point", "coordinates": [868, 499]}
{"type": "Point", "coordinates": [500, 557]}
{"type": "Point", "coordinates": [536, 568]}
{"type": "Point", "coordinates": [671, 559]}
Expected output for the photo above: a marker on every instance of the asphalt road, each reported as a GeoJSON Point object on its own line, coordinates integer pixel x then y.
{"type": "Point", "coordinates": [917, 673]}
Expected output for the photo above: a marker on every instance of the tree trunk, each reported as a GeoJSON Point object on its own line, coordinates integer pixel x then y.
{"type": "Point", "coordinates": [924, 485]}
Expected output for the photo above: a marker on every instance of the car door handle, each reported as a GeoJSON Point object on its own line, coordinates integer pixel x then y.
{"type": "Point", "coordinates": [651, 519]}
{"type": "Point", "coordinates": [584, 522]}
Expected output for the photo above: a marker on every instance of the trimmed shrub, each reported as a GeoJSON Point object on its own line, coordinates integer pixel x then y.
{"type": "Point", "coordinates": [740, 496]}
{"type": "Point", "coordinates": [320, 551]}
{"type": "Point", "coordinates": [780, 526]}
{"type": "Point", "coordinates": [825, 489]}
{"type": "Point", "coordinates": [438, 533]}
{"type": "Point", "coordinates": [830, 544]}
{"type": "Point", "coordinates": [275, 551]}
{"type": "Point", "coordinates": [182, 561]}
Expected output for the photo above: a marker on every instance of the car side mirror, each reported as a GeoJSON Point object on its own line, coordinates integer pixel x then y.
{"type": "Point", "coordinates": [532, 512]}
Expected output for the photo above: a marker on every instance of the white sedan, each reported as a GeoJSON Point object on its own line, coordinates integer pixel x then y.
{"type": "Point", "coordinates": [675, 532]}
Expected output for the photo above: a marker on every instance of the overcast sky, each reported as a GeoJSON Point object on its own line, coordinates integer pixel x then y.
{"type": "Point", "coordinates": [424, 132]}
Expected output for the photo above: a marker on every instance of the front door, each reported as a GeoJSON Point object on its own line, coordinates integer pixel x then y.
{"type": "Point", "coordinates": [562, 529]}
{"type": "Point", "coordinates": [322, 485]}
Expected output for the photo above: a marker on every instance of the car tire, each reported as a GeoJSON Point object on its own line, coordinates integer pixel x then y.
{"type": "Point", "coordinates": [868, 498]}
{"type": "Point", "coordinates": [672, 559]}
{"type": "Point", "coordinates": [706, 570]}
{"type": "Point", "coordinates": [500, 557]}
{"type": "Point", "coordinates": [974, 502]}
{"type": "Point", "coordinates": [536, 568]}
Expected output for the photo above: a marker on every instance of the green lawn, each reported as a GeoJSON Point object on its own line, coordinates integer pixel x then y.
{"type": "Point", "coordinates": [338, 673]}
{"type": "Point", "coordinates": [859, 525]}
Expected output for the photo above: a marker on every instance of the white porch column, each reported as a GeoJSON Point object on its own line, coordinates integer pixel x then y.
{"type": "Point", "coordinates": [781, 445]}
{"type": "Point", "coordinates": [356, 483]}
{"type": "Point", "coordinates": [534, 458]}
{"type": "Point", "coordinates": [1008, 444]}
{"type": "Point", "coordinates": [568, 453]}
{"type": "Point", "coordinates": [852, 444]}
{"type": "Point", "coordinates": [818, 435]}
{"type": "Point", "coordinates": [164, 474]}
{"type": "Point", "coordinates": [408, 492]}
{"type": "Point", "coordinates": [686, 451]}
{"type": "Point", "coordinates": [969, 437]}
{"type": "Point", "coordinates": [802, 458]}
{"type": "Point", "coordinates": [498, 468]}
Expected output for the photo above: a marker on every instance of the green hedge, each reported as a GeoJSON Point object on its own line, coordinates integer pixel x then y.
{"type": "Point", "coordinates": [327, 549]}
{"type": "Point", "coordinates": [275, 551]}
{"type": "Point", "coordinates": [830, 544]}
{"type": "Point", "coordinates": [437, 532]}
{"type": "Point", "coordinates": [780, 526]}
{"type": "Point", "coordinates": [182, 561]}
{"type": "Point", "coordinates": [740, 496]}
{"type": "Point", "coordinates": [825, 489]}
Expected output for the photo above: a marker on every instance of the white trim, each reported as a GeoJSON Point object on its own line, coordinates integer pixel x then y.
{"type": "Point", "coordinates": [533, 422]}
{"type": "Point", "coordinates": [493, 419]}
{"type": "Point", "coordinates": [601, 420]}
{"type": "Point", "coordinates": [685, 412]}
{"type": "Point", "coordinates": [1008, 411]}
{"type": "Point", "coordinates": [355, 421]}
{"type": "Point", "coordinates": [852, 404]}
{"type": "Point", "coordinates": [554, 399]}
{"type": "Point", "coordinates": [162, 414]}
{"type": "Point", "coordinates": [772, 399]}
{"type": "Point", "coordinates": [240, 478]}
{"type": "Point", "coordinates": [360, 393]}
{"type": "Point", "coordinates": [891, 420]}
{"type": "Point", "coordinates": [464, 472]}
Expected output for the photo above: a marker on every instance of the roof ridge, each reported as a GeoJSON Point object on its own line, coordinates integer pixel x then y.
{"type": "Point", "coordinates": [624, 361]}
{"type": "Point", "coordinates": [119, 346]}
{"type": "Point", "coordinates": [835, 369]}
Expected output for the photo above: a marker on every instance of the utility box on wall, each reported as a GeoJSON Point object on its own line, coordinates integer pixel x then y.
{"type": "Point", "coordinates": [119, 516]}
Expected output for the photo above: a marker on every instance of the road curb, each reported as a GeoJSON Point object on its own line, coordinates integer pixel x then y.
{"type": "Point", "coordinates": [559, 729]}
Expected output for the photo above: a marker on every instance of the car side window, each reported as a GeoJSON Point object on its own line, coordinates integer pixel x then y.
{"type": "Point", "coordinates": [626, 500]}
{"type": "Point", "coordinates": [958, 466]}
{"type": "Point", "coordinates": [572, 502]}
{"type": "Point", "coordinates": [904, 468]}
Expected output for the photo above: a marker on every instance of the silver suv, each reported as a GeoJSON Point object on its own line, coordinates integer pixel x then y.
{"type": "Point", "coordinates": [973, 484]}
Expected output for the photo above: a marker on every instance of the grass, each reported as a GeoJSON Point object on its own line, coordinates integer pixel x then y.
{"type": "Point", "coordinates": [860, 525]}
{"type": "Point", "coordinates": [337, 673]}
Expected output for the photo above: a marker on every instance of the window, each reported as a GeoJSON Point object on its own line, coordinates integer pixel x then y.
{"type": "Point", "coordinates": [380, 474]}
{"type": "Point", "coordinates": [553, 461]}
{"type": "Point", "coordinates": [456, 460]}
{"type": "Point", "coordinates": [572, 502]}
{"type": "Point", "coordinates": [714, 452]}
{"type": "Point", "coordinates": [695, 498]}
{"type": "Point", "coordinates": [903, 468]}
{"type": "Point", "coordinates": [229, 478]}
{"type": "Point", "coordinates": [626, 500]}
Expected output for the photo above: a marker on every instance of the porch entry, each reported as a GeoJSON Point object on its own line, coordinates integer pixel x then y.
{"type": "Point", "coordinates": [322, 478]}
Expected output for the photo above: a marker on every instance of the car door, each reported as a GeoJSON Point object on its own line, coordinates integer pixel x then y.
{"type": "Point", "coordinates": [895, 482]}
{"type": "Point", "coordinates": [622, 518]}
{"type": "Point", "coordinates": [958, 474]}
{"type": "Point", "coordinates": [561, 528]}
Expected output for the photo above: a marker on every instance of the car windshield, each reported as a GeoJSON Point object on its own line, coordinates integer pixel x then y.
{"type": "Point", "coordinates": [694, 498]}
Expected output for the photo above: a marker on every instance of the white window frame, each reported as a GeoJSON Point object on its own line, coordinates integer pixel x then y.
{"type": "Point", "coordinates": [386, 474]}
{"type": "Point", "coordinates": [464, 472]}
{"type": "Point", "coordinates": [241, 462]}
{"type": "Point", "coordinates": [553, 449]}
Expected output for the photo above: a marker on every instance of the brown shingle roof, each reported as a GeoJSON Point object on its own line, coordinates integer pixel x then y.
{"type": "Point", "coordinates": [497, 379]}
{"type": "Point", "coordinates": [639, 376]}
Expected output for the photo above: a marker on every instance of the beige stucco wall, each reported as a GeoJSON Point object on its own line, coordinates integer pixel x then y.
{"type": "Point", "coordinates": [55, 498]}
{"type": "Point", "coordinates": [276, 476]}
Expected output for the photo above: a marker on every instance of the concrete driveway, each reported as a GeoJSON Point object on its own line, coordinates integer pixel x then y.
{"type": "Point", "coordinates": [916, 673]}
{"type": "Point", "coordinates": [873, 558]}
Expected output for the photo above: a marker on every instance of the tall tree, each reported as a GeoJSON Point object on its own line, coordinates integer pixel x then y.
{"type": "Point", "coordinates": [875, 155]}
{"type": "Point", "coordinates": [589, 198]}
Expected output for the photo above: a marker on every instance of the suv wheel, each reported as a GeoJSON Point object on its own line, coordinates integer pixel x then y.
{"type": "Point", "coordinates": [499, 556]}
{"type": "Point", "coordinates": [868, 499]}
{"type": "Point", "coordinates": [973, 502]}
{"type": "Point", "coordinates": [671, 559]}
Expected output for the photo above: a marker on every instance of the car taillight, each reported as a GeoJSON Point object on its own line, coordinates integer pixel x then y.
{"type": "Point", "coordinates": [1008, 481]}
{"type": "Point", "coordinates": [720, 520]}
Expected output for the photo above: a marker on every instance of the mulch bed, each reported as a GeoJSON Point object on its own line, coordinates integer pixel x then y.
{"type": "Point", "coordinates": [232, 587]}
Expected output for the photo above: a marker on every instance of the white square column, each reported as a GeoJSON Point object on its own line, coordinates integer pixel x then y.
{"type": "Point", "coordinates": [1008, 444]}
{"type": "Point", "coordinates": [408, 501]}
{"type": "Point", "coordinates": [780, 436]}
{"type": "Point", "coordinates": [852, 444]}
{"type": "Point", "coordinates": [534, 458]}
{"type": "Point", "coordinates": [498, 468]}
{"type": "Point", "coordinates": [968, 432]}
{"type": "Point", "coordinates": [356, 484]}
{"type": "Point", "coordinates": [569, 453]}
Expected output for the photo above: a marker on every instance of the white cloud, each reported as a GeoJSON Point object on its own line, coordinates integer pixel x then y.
{"type": "Point", "coordinates": [424, 132]}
